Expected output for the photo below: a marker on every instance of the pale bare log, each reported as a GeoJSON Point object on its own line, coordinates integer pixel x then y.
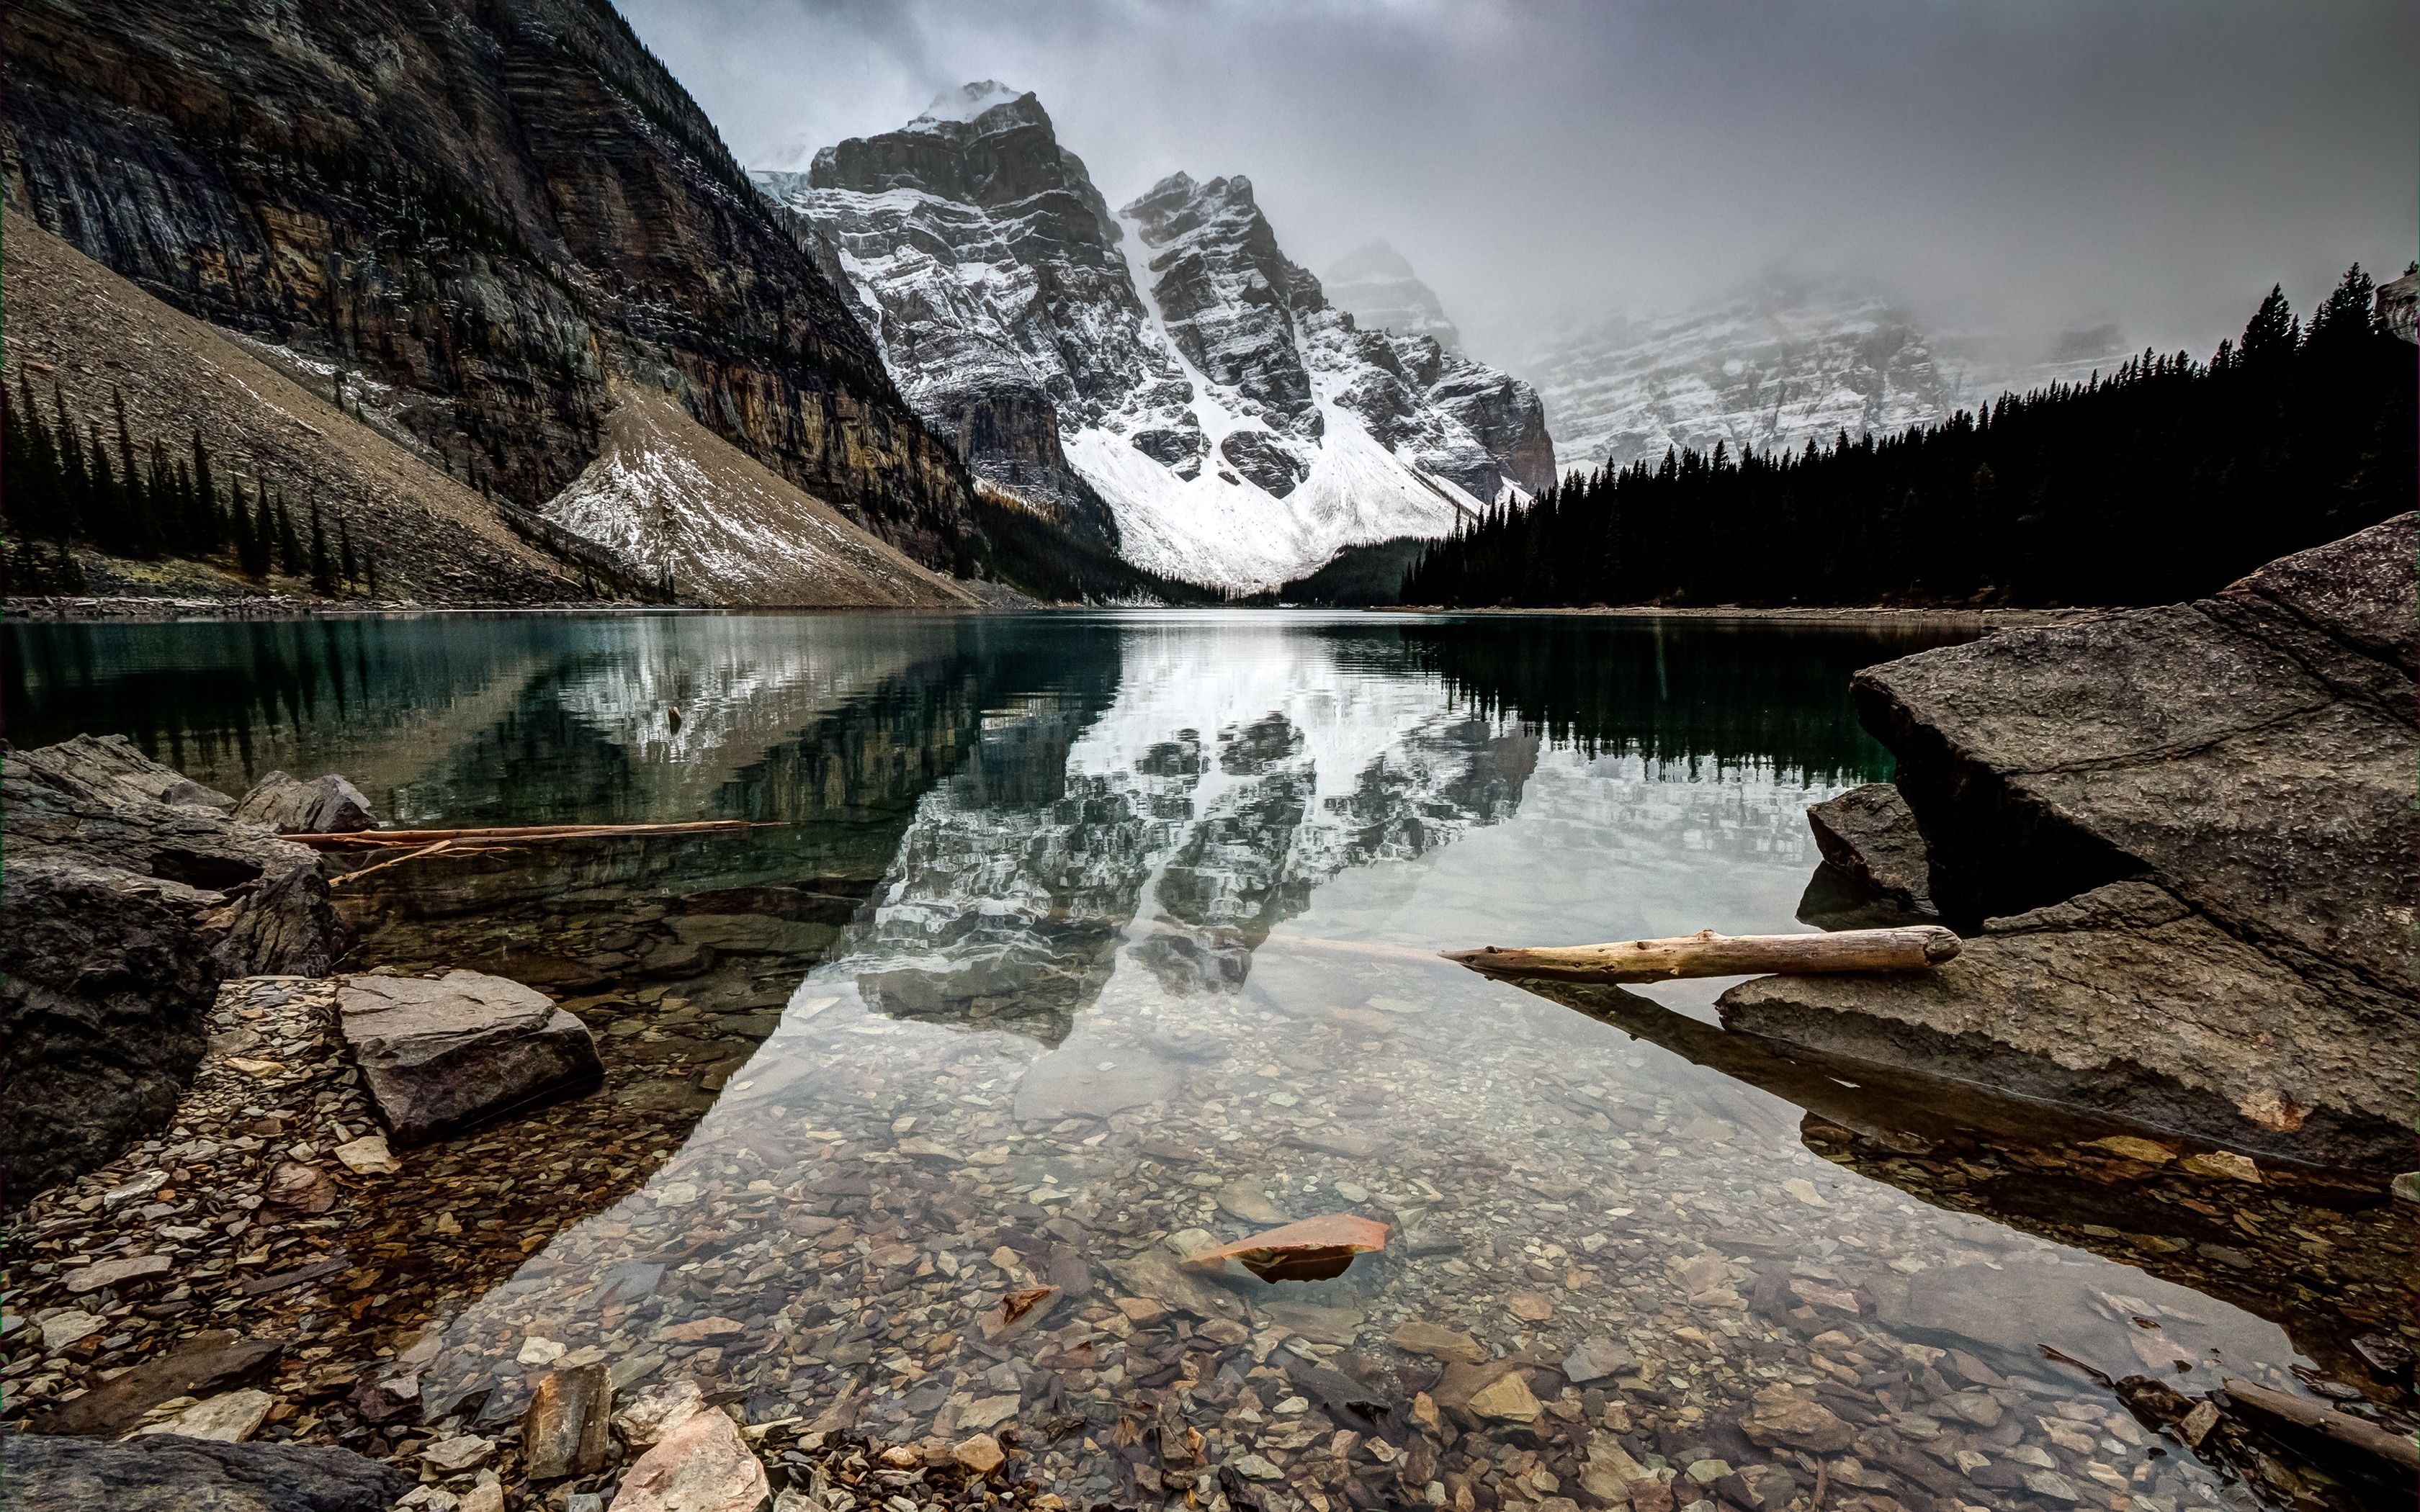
{"type": "Point", "coordinates": [1709, 954]}
{"type": "Point", "coordinates": [373, 839]}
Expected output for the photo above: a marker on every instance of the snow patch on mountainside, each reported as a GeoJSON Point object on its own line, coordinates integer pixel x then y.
{"type": "Point", "coordinates": [669, 496]}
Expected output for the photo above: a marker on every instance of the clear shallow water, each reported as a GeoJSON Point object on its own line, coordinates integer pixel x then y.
{"type": "Point", "coordinates": [1072, 935]}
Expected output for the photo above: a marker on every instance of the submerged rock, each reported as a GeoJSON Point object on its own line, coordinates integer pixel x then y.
{"type": "Point", "coordinates": [130, 893]}
{"type": "Point", "coordinates": [2193, 820]}
{"type": "Point", "coordinates": [163, 1473]}
{"type": "Point", "coordinates": [442, 1054]}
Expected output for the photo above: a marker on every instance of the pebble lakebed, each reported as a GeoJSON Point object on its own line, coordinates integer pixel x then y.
{"type": "Point", "coordinates": [1605, 1271]}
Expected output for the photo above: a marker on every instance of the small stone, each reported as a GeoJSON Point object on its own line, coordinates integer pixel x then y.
{"type": "Point", "coordinates": [698, 1330]}
{"type": "Point", "coordinates": [1437, 1343]}
{"type": "Point", "coordinates": [115, 1272]}
{"type": "Point", "coordinates": [987, 1412]}
{"type": "Point", "coordinates": [229, 1418]}
{"type": "Point", "coordinates": [647, 1416]}
{"type": "Point", "coordinates": [563, 1430]}
{"type": "Point", "coordinates": [457, 1456]}
{"type": "Point", "coordinates": [1507, 1400]}
{"type": "Point", "coordinates": [63, 1329]}
{"type": "Point", "coordinates": [1530, 1306]}
{"type": "Point", "coordinates": [304, 1188]}
{"type": "Point", "coordinates": [1595, 1359]}
{"type": "Point", "coordinates": [1141, 1311]}
{"type": "Point", "coordinates": [1804, 1190]}
{"type": "Point", "coordinates": [2052, 1484]}
{"type": "Point", "coordinates": [367, 1156]}
{"type": "Point", "coordinates": [1780, 1415]}
{"type": "Point", "coordinates": [701, 1465]}
{"type": "Point", "coordinates": [536, 1350]}
{"type": "Point", "coordinates": [1257, 1467]}
{"type": "Point", "coordinates": [2150, 1152]}
{"type": "Point", "coordinates": [1707, 1472]}
{"type": "Point", "coordinates": [979, 1453]}
{"type": "Point", "coordinates": [2224, 1163]}
{"type": "Point", "coordinates": [487, 1497]}
{"type": "Point", "coordinates": [1245, 1200]}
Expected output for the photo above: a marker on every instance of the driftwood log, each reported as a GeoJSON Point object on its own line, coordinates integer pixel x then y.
{"type": "Point", "coordinates": [1709, 954]}
{"type": "Point", "coordinates": [380, 839]}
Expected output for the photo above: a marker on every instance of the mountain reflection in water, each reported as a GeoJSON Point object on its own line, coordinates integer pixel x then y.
{"type": "Point", "coordinates": [1072, 938]}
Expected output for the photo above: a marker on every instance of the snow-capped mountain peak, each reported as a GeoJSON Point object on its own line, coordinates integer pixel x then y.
{"type": "Point", "coordinates": [967, 104]}
{"type": "Point", "coordinates": [1164, 377]}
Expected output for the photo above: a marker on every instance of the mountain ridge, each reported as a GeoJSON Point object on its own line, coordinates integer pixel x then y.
{"type": "Point", "coordinates": [1161, 377]}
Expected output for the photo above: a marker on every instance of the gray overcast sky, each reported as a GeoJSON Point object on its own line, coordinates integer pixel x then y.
{"type": "Point", "coordinates": [2011, 166]}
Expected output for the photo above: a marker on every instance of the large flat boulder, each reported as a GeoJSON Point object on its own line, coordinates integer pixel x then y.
{"type": "Point", "coordinates": [2126, 1001]}
{"type": "Point", "coordinates": [2183, 839]}
{"type": "Point", "coordinates": [130, 893]}
{"type": "Point", "coordinates": [2252, 752]}
{"type": "Point", "coordinates": [442, 1054]}
{"type": "Point", "coordinates": [168, 1472]}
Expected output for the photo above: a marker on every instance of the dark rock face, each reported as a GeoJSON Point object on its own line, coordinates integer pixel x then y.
{"type": "Point", "coordinates": [125, 912]}
{"type": "Point", "coordinates": [163, 1473]}
{"type": "Point", "coordinates": [1870, 835]}
{"type": "Point", "coordinates": [996, 288]}
{"type": "Point", "coordinates": [1229, 297]}
{"type": "Point", "coordinates": [324, 806]}
{"type": "Point", "coordinates": [1263, 459]}
{"type": "Point", "coordinates": [444, 1053]}
{"type": "Point", "coordinates": [2196, 825]}
{"type": "Point", "coordinates": [491, 212]}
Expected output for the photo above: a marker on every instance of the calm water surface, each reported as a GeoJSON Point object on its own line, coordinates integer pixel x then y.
{"type": "Point", "coordinates": [1071, 940]}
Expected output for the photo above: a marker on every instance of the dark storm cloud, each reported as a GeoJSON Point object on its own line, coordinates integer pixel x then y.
{"type": "Point", "coordinates": [2013, 165]}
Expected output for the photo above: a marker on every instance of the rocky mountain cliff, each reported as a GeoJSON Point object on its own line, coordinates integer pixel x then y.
{"type": "Point", "coordinates": [1163, 377]}
{"type": "Point", "coordinates": [495, 210]}
{"type": "Point", "coordinates": [1780, 369]}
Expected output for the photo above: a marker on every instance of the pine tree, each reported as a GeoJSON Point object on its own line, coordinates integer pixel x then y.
{"type": "Point", "coordinates": [2273, 333]}
{"type": "Point", "coordinates": [323, 571]}
{"type": "Point", "coordinates": [346, 564]}
{"type": "Point", "coordinates": [289, 545]}
{"type": "Point", "coordinates": [369, 571]}
{"type": "Point", "coordinates": [2343, 318]}
{"type": "Point", "coordinates": [210, 527]}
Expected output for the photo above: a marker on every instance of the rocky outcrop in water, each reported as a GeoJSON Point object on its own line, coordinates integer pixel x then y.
{"type": "Point", "coordinates": [2181, 837]}
{"type": "Point", "coordinates": [497, 212]}
{"type": "Point", "coordinates": [130, 892]}
{"type": "Point", "coordinates": [1163, 379]}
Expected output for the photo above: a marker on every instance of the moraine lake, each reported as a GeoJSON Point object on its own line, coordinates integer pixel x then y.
{"type": "Point", "coordinates": [1064, 944]}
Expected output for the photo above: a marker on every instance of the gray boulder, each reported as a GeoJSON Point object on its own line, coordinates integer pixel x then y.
{"type": "Point", "coordinates": [1870, 835]}
{"type": "Point", "coordinates": [166, 1473]}
{"type": "Point", "coordinates": [2242, 767]}
{"type": "Point", "coordinates": [442, 1054]}
{"type": "Point", "coordinates": [130, 893]}
{"type": "Point", "coordinates": [324, 806]}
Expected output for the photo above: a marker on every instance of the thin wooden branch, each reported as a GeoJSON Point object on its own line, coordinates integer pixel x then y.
{"type": "Point", "coordinates": [373, 839]}
{"type": "Point", "coordinates": [1709, 954]}
{"type": "Point", "coordinates": [392, 860]}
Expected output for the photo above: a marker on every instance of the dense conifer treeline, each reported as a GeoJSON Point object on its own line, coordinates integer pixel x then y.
{"type": "Point", "coordinates": [69, 480]}
{"type": "Point", "coordinates": [2165, 480]}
